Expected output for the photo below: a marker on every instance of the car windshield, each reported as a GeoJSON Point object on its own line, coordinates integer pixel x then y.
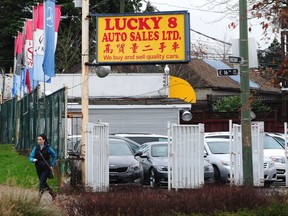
{"type": "Point", "coordinates": [280, 140]}
{"type": "Point", "coordinates": [218, 147]}
{"type": "Point", "coordinates": [271, 143]}
{"type": "Point", "coordinates": [119, 147]}
{"type": "Point", "coordinates": [160, 150]}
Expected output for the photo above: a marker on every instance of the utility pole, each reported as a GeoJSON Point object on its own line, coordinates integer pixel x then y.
{"type": "Point", "coordinates": [245, 96]}
{"type": "Point", "coordinates": [84, 83]}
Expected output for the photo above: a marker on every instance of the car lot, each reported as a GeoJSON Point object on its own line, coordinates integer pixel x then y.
{"type": "Point", "coordinates": [74, 148]}
{"type": "Point", "coordinates": [154, 158]}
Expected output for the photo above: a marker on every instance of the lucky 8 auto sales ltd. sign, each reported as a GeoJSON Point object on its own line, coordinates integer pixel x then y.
{"type": "Point", "coordinates": [143, 38]}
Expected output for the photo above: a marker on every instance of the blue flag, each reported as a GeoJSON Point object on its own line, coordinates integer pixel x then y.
{"type": "Point", "coordinates": [49, 28]}
{"type": "Point", "coordinates": [16, 85]}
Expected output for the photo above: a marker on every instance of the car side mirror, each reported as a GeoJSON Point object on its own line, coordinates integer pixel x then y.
{"type": "Point", "coordinates": [138, 153]}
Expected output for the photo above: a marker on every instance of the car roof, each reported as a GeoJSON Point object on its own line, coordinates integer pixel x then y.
{"type": "Point", "coordinates": [155, 143]}
{"type": "Point", "coordinates": [123, 138]}
{"type": "Point", "coordinates": [138, 134]}
{"type": "Point", "coordinates": [216, 139]}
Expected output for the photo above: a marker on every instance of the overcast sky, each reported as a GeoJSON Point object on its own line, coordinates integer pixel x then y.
{"type": "Point", "coordinates": [211, 23]}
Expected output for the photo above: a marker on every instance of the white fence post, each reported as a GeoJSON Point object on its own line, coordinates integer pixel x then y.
{"type": "Point", "coordinates": [97, 157]}
{"type": "Point", "coordinates": [257, 153]}
{"type": "Point", "coordinates": [236, 163]}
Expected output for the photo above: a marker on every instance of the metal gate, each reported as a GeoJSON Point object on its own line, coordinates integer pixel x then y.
{"type": "Point", "coordinates": [97, 157]}
{"type": "Point", "coordinates": [186, 155]}
{"type": "Point", "coordinates": [257, 139]}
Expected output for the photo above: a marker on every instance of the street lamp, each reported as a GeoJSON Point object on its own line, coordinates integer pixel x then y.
{"type": "Point", "coordinates": [186, 116]}
{"type": "Point", "coordinates": [166, 73]}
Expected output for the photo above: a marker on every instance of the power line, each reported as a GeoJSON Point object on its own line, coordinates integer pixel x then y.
{"type": "Point", "coordinates": [212, 38]}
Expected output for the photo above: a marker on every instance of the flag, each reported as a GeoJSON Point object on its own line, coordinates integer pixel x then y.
{"type": "Point", "coordinates": [38, 43]}
{"type": "Point", "coordinates": [19, 48]}
{"type": "Point", "coordinates": [27, 80]}
{"type": "Point", "coordinates": [16, 85]}
{"type": "Point", "coordinates": [28, 53]}
{"type": "Point", "coordinates": [52, 19]}
{"type": "Point", "coordinates": [28, 44]}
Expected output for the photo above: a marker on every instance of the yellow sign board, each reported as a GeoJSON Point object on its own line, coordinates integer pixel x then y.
{"type": "Point", "coordinates": [143, 38]}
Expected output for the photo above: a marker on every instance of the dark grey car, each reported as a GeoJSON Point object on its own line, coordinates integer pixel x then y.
{"type": "Point", "coordinates": [123, 167]}
{"type": "Point", "coordinates": [154, 159]}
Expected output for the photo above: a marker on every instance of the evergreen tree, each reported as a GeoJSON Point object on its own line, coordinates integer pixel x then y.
{"type": "Point", "coordinates": [271, 57]}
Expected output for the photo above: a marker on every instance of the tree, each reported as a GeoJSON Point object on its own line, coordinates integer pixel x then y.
{"type": "Point", "coordinates": [270, 57]}
{"type": "Point", "coordinates": [12, 16]}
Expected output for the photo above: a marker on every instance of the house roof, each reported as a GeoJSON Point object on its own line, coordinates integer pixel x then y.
{"type": "Point", "coordinates": [130, 101]}
{"type": "Point", "coordinates": [202, 74]}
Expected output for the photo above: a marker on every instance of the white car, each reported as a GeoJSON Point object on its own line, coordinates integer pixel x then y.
{"type": "Point", "coordinates": [271, 148]}
{"type": "Point", "coordinates": [217, 153]}
{"type": "Point", "coordinates": [274, 150]}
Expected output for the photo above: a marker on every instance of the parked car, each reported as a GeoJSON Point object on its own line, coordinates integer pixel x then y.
{"type": "Point", "coordinates": [271, 148]}
{"type": "Point", "coordinates": [154, 158]}
{"type": "Point", "coordinates": [217, 152]}
{"type": "Point", "coordinates": [143, 137]}
{"type": "Point", "coordinates": [123, 167]}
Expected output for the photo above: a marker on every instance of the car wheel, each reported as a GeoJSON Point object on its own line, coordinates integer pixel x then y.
{"type": "Point", "coordinates": [152, 179]}
{"type": "Point", "coordinates": [216, 174]}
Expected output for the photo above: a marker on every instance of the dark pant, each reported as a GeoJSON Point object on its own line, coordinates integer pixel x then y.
{"type": "Point", "coordinates": [42, 175]}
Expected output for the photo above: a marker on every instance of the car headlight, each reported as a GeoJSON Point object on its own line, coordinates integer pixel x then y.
{"type": "Point", "coordinates": [162, 168]}
{"type": "Point", "coordinates": [133, 168]}
{"type": "Point", "coordinates": [270, 164]}
{"type": "Point", "coordinates": [208, 168]}
{"type": "Point", "coordinates": [278, 159]}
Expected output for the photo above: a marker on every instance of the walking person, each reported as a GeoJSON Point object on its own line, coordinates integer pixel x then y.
{"type": "Point", "coordinates": [42, 154]}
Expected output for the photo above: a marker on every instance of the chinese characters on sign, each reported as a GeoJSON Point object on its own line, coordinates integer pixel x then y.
{"type": "Point", "coordinates": [142, 38]}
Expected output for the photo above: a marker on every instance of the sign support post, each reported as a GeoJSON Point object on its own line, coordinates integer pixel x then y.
{"type": "Point", "coordinates": [245, 97]}
{"type": "Point", "coordinates": [84, 83]}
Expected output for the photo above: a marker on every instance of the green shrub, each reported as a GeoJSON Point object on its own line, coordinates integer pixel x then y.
{"type": "Point", "coordinates": [233, 104]}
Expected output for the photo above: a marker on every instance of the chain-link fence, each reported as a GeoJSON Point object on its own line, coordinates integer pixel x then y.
{"type": "Point", "coordinates": [23, 120]}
